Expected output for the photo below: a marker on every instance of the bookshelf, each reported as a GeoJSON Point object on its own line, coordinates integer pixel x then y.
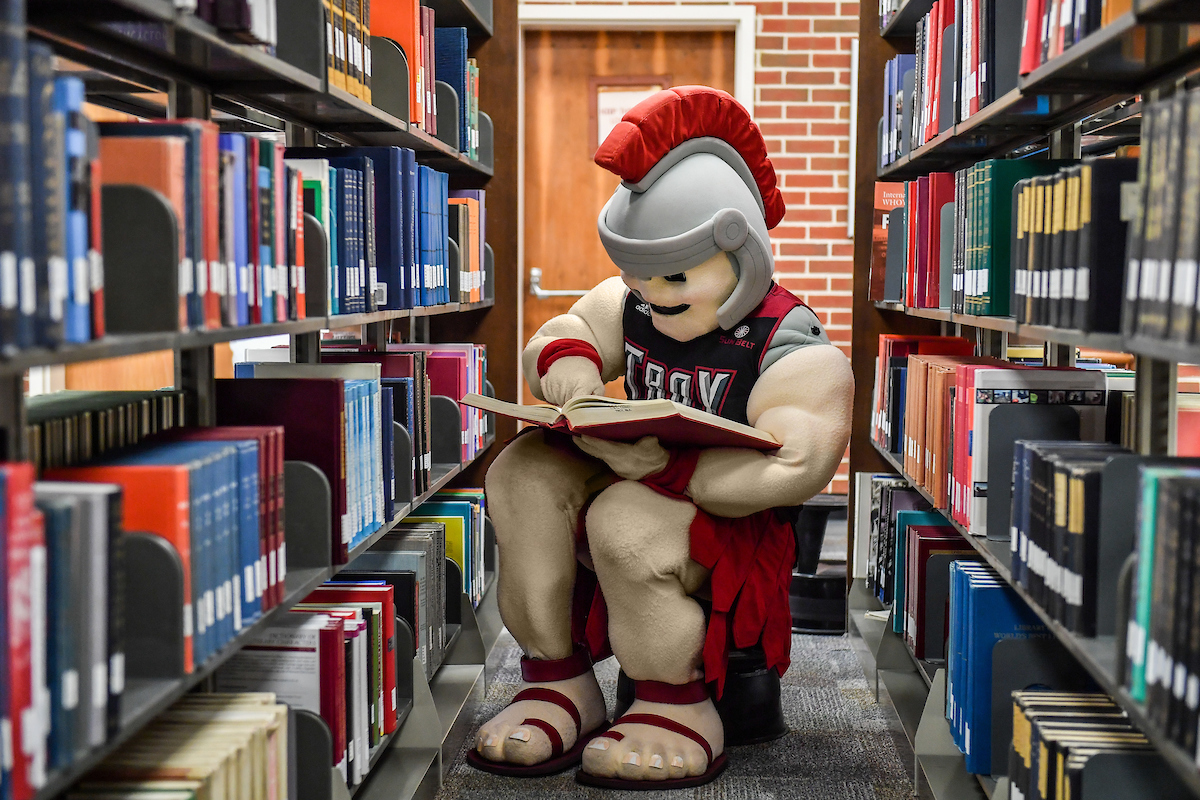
{"type": "Point", "coordinates": [1095, 86]}
{"type": "Point", "coordinates": [179, 66]}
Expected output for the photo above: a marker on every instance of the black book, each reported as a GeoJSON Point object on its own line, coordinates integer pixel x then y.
{"type": "Point", "coordinates": [1152, 307]}
{"type": "Point", "coordinates": [1175, 683]}
{"type": "Point", "coordinates": [48, 198]}
{"type": "Point", "coordinates": [1070, 256]}
{"type": "Point", "coordinates": [1019, 251]}
{"type": "Point", "coordinates": [16, 322]}
{"type": "Point", "coordinates": [1136, 240]}
{"type": "Point", "coordinates": [1166, 552]}
{"type": "Point", "coordinates": [897, 376]}
{"type": "Point", "coordinates": [1189, 710]}
{"type": "Point", "coordinates": [1103, 234]}
{"type": "Point", "coordinates": [1187, 245]}
{"type": "Point", "coordinates": [1057, 248]}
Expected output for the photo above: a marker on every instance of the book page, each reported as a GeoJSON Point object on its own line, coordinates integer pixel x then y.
{"type": "Point", "coordinates": [543, 414]}
{"type": "Point", "coordinates": [585, 411]}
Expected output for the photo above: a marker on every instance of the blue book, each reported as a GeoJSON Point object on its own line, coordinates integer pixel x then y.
{"type": "Point", "coordinates": [335, 244]}
{"type": "Point", "coordinates": [445, 508]}
{"type": "Point", "coordinates": [235, 145]}
{"type": "Point", "coordinates": [68, 101]}
{"type": "Point", "coordinates": [193, 133]}
{"type": "Point", "coordinates": [410, 185]}
{"type": "Point", "coordinates": [450, 64]}
{"type": "Point", "coordinates": [58, 515]}
{"type": "Point", "coordinates": [18, 296]}
{"type": "Point", "coordinates": [402, 412]}
{"type": "Point", "coordinates": [48, 193]}
{"type": "Point", "coordinates": [387, 427]}
{"type": "Point", "coordinates": [443, 234]}
{"type": "Point", "coordinates": [388, 224]}
{"type": "Point", "coordinates": [903, 520]}
{"type": "Point", "coordinates": [266, 227]}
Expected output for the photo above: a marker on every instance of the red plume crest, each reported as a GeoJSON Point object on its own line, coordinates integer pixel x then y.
{"type": "Point", "coordinates": [669, 118]}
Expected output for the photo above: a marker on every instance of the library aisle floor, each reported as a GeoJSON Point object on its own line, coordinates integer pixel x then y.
{"type": "Point", "coordinates": [842, 744]}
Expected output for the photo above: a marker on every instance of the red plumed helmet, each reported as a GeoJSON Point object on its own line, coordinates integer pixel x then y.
{"type": "Point", "coordinates": [667, 119]}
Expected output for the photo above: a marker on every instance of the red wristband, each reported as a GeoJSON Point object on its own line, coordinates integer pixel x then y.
{"type": "Point", "coordinates": [672, 481]}
{"type": "Point", "coordinates": [564, 348]}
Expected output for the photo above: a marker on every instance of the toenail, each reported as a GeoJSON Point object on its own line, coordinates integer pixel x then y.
{"type": "Point", "coordinates": [598, 744]}
{"type": "Point", "coordinates": [677, 761]}
{"type": "Point", "coordinates": [520, 735]}
{"type": "Point", "coordinates": [634, 759]}
{"type": "Point", "coordinates": [656, 762]}
{"type": "Point", "coordinates": [491, 741]}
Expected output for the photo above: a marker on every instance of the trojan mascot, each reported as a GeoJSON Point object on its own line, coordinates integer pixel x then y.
{"type": "Point", "coordinates": [604, 546]}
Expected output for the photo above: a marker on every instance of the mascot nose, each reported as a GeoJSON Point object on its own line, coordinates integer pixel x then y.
{"type": "Point", "coordinates": [729, 229]}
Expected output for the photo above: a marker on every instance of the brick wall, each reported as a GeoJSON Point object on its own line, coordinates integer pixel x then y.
{"type": "Point", "coordinates": [802, 104]}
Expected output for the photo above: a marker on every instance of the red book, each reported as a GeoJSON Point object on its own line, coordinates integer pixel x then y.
{"type": "Point", "coordinates": [297, 222]}
{"type": "Point", "coordinates": [941, 192]}
{"type": "Point", "coordinates": [331, 647]}
{"type": "Point", "coordinates": [339, 592]}
{"type": "Point", "coordinates": [923, 543]}
{"type": "Point", "coordinates": [26, 566]}
{"type": "Point", "coordinates": [254, 282]}
{"type": "Point", "coordinates": [920, 269]}
{"type": "Point", "coordinates": [311, 412]}
{"type": "Point", "coordinates": [910, 257]}
{"type": "Point", "coordinates": [892, 345]}
{"type": "Point", "coordinates": [1031, 36]}
{"type": "Point", "coordinates": [96, 248]}
{"type": "Point", "coordinates": [282, 282]}
{"type": "Point", "coordinates": [268, 581]}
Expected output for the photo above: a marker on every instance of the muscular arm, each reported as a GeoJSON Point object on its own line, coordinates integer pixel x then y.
{"type": "Point", "coordinates": [804, 400]}
{"type": "Point", "coordinates": [596, 319]}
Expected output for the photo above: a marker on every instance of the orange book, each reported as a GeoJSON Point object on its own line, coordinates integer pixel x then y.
{"type": "Point", "coordinates": [399, 20]}
{"type": "Point", "coordinates": [473, 267]}
{"type": "Point", "coordinates": [157, 163]}
{"type": "Point", "coordinates": [157, 501]}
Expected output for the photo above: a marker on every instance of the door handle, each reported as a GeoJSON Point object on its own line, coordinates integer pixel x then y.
{"type": "Point", "coordinates": [535, 287]}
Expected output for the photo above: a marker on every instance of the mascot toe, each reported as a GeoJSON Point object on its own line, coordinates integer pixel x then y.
{"type": "Point", "coordinates": [666, 557]}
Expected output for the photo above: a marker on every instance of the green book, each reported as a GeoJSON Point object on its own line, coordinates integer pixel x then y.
{"type": "Point", "coordinates": [994, 257]}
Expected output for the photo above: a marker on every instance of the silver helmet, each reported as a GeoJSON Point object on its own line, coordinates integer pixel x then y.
{"type": "Point", "coordinates": [698, 199]}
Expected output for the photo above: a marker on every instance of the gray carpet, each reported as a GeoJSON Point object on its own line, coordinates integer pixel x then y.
{"type": "Point", "coordinates": [841, 745]}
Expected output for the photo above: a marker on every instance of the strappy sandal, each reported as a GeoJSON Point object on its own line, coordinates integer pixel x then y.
{"type": "Point", "coordinates": [536, 671]}
{"type": "Point", "coordinates": [655, 692]}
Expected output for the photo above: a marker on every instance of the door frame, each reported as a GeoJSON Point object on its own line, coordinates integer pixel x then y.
{"type": "Point", "coordinates": [741, 19]}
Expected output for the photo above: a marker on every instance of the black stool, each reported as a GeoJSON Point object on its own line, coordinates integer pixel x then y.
{"type": "Point", "coordinates": [751, 707]}
{"type": "Point", "coordinates": [818, 594]}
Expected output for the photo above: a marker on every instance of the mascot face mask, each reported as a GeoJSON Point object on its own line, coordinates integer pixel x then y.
{"type": "Point", "coordinates": [685, 305]}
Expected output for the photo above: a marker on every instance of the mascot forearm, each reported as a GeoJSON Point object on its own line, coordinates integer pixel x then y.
{"type": "Point", "coordinates": [603, 544]}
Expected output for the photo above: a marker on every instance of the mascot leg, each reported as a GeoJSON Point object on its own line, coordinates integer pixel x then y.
{"type": "Point", "coordinates": [639, 541]}
{"type": "Point", "coordinates": [535, 492]}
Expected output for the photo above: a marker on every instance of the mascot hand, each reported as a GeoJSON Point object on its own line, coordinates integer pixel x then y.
{"type": "Point", "coordinates": [631, 461]}
{"type": "Point", "coordinates": [569, 378]}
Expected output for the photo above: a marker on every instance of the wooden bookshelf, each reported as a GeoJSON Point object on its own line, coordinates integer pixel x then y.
{"type": "Point", "coordinates": [1142, 53]}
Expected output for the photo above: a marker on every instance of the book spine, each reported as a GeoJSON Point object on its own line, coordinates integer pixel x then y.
{"type": "Point", "coordinates": [17, 289]}
{"type": "Point", "coordinates": [48, 193]}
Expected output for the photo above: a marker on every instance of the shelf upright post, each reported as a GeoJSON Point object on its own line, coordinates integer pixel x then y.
{"type": "Point", "coordinates": [194, 365]}
{"type": "Point", "coordinates": [991, 343]}
{"type": "Point", "coordinates": [12, 416]}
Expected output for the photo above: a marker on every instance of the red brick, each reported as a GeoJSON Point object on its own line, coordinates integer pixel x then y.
{"type": "Point", "coordinates": [831, 95]}
{"type": "Point", "coordinates": [768, 43]}
{"type": "Point", "coordinates": [809, 214]}
{"type": "Point", "coordinates": [804, 284]}
{"type": "Point", "coordinates": [766, 9]}
{"type": "Point", "coordinates": [785, 59]}
{"type": "Point", "coordinates": [839, 318]}
{"type": "Point", "coordinates": [841, 285]}
{"type": "Point", "coordinates": [810, 9]}
{"type": "Point", "coordinates": [835, 25]}
{"type": "Point", "coordinates": [829, 198]}
{"type": "Point", "coordinates": [835, 164]}
{"type": "Point", "coordinates": [783, 128]}
{"type": "Point", "coordinates": [829, 129]}
{"type": "Point", "coordinates": [790, 163]}
{"type": "Point", "coordinates": [761, 78]}
{"type": "Point", "coordinates": [806, 249]}
{"type": "Point", "coordinates": [834, 232]}
{"type": "Point", "coordinates": [835, 60]}
{"type": "Point", "coordinates": [844, 250]}
{"type": "Point", "coordinates": [768, 112]}
{"type": "Point", "coordinates": [811, 112]}
{"type": "Point", "coordinates": [850, 10]}
{"type": "Point", "coordinates": [777, 95]}
{"type": "Point", "coordinates": [812, 43]}
{"type": "Point", "coordinates": [828, 265]}
{"type": "Point", "coordinates": [807, 181]}
{"type": "Point", "coordinates": [787, 25]}
{"type": "Point", "coordinates": [811, 146]}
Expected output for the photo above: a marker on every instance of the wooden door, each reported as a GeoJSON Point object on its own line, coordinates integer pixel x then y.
{"type": "Point", "coordinates": [565, 74]}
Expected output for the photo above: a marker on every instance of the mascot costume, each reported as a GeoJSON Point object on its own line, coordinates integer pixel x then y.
{"type": "Point", "coordinates": [606, 546]}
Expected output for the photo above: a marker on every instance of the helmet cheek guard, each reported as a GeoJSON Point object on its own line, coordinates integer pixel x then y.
{"type": "Point", "coordinates": [696, 182]}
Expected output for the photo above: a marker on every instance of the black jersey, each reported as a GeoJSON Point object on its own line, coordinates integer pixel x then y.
{"type": "Point", "coordinates": [714, 372]}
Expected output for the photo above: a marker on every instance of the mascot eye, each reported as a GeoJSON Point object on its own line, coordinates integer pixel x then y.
{"type": "Point", "coordinates": [678, 277]}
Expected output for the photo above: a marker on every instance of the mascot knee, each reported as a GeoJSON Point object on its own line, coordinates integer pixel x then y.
{"type": "Point", "coordinates": [623, 533]}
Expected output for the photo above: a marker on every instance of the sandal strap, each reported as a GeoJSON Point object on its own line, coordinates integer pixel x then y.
{"type": "Point", "coordinates": [559, 699]}
{"type": "Point", "coordinates": [666, 724]}
{"type": "Point", "coordinates": [671, 693]}
{"type": "Point", "coordinates": [556, 742]}
{"type": "Point", "coordinates": [538, 670]}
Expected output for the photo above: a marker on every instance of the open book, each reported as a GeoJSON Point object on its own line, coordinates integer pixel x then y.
{"type": "Point", "coordinates": [630, 420]}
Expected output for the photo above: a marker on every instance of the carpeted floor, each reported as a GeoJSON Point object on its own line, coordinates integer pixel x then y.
{"type": "Point", "coordinates": [842, 745]}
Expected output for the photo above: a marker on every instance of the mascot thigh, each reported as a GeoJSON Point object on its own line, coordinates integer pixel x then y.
{"type": "Point", "coordinates": [604, 545]}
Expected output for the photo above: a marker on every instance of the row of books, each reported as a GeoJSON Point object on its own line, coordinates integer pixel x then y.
{"type": "Point", "coordinates": [348, 45]}
{"type": "Point", "coordinates": [970, 53]}
{"type": "Point", "coordinates": [1056, 735]}
{"type": "Point", "coordinates": [1161, 278]}
{"type": "Point", "coordinates": [1043, 241]}
{"type": "Point", "coordinates": [951, 609]}
{"type": "Point", "coordinates": [1162, 647]}
{"type": "Point", "coordinates": [340, 663]}
{"type": "Point", "coordinates": [203, 746]}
